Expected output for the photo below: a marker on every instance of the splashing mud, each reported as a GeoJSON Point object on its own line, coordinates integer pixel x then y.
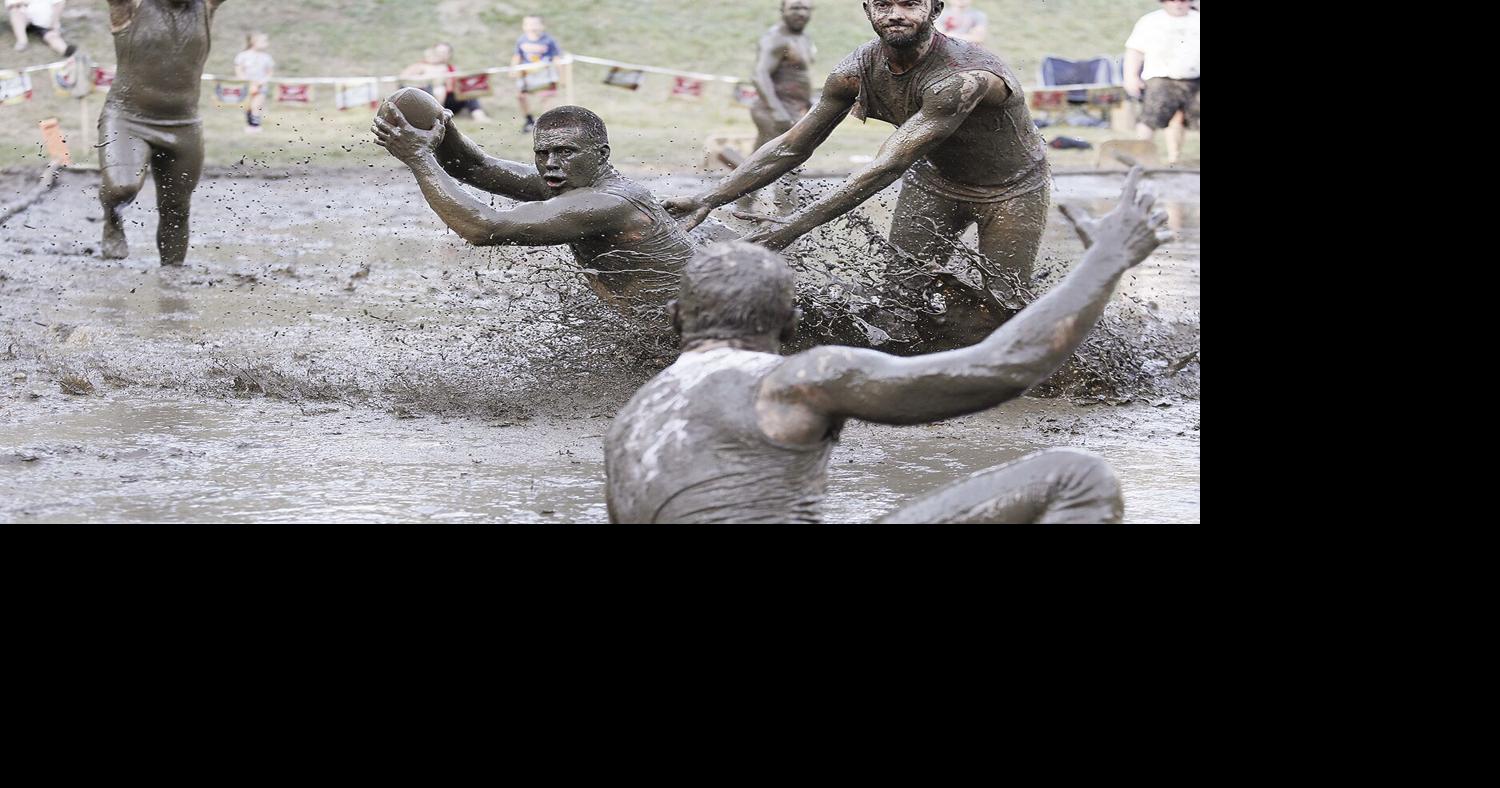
{"type": "Point", "coordinates": [339, 289]}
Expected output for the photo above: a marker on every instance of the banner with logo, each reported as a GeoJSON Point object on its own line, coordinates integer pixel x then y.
{"type": "Point", "coordinates": [365, 92]}
{"type": "Point", "coordinates": [538, 81]}
{"type": "Point", "coordinates": [746, 94]}
{"type": "Point", "coordinates": [231, 93]}
{"type": "Point", "coordinates": [686, 89]}
{"type": "Point", "coordinates": [627, 78]}
{"type": "Point", "coordinates": [15, 87]}
{"type": "Point", "coordinates": [297, 94]}
{"type": "Point", "coordinates": [472, 87]}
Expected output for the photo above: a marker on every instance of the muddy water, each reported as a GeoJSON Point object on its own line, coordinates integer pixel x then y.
{"type": "Point", "coordinates": [331, 353]}
{"type": "Point", "coordinates": [135, 457]}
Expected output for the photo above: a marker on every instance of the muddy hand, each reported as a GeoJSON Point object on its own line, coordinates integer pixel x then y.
{"type": "Point", "coordinates": [1133, 225]}
{"type": "Point", "coordinates": [689, 211]}
{"type": "Point", "coordinates": [405, 141]}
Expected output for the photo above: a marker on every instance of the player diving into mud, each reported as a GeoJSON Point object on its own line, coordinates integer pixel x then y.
{"type": "Point", "coordinates": [733, 432]}
{"type": "Point", "coordinates": [150, 117]}
{"type": "Point", "coordinates": [965, 147]}
{"type": "Point", "coordinates": [631, 251]}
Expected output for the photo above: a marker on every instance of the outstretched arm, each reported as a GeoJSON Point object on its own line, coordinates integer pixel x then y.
{"type": "Point", "coordinates": [462, 158]}
{"type": "Point", "coordinates": [777, 157]}
{"type": "Point", "coordinates": [944, 109]}
{"type": "Point", "coordinates": [810, 389]}
{"type": "Point", "coordinates": [560, 220]}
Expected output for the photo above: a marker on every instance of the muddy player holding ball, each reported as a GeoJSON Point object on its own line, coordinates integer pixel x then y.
{"type": "Point", "coordinates": [630, 249]}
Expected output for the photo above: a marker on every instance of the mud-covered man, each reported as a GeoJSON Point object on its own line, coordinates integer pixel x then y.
{"type": "Point", "coordinates": [150, 117]}
{"type": "Point", "coordinates": [735, 433]}
{"type": "Point", "coordinates": [783, 59]}
{"type": "Point", "coordinates": [630, 249]}
{"type": "Point", "coordinates": [964, 142]}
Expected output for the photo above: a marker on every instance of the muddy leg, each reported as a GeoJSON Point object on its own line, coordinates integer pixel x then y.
{"type": "Point", "coordinates": [1010, 235]}
{"type": "Point", "coordinates": [1052, 486]}
{"type": "Point", "coordinates": [176, 172]}
{"type": "Point", "coordinates": [928, 227]}
{"type": "Point", "coordinates": [122, 167]}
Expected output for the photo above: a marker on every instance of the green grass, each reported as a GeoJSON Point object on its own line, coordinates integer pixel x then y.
{"type": "Point", "coordinates": [650, 133]}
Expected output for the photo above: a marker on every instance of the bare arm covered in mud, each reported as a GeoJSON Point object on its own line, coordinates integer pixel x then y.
{"type": "Point", "coordinates": [801, 399]}
{"type": "Point", "coordinates": [945, 108]}
{"type": "Point", "coordinates": [777, 157]}
{"type": "Point", "coordinates": [121, 12]}
{"type": "Point", "coordinates": [462, 158]}
{"type": "Point", "coordinates": [560, 220]}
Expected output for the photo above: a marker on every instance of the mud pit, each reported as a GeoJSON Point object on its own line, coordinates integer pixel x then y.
{"type": "Point", "coordinates": [332, 352]}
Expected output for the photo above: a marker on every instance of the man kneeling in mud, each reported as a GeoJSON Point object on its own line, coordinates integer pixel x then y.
{"type": "Point", "coordinates": [630, 250]}
{"type": "Point", "coordinates": [735, 433]}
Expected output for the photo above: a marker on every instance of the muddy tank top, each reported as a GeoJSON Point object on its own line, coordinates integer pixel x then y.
{"type": "Point", "coordinates": [688, 448]}
{"type": "Point", "coordinates": [159, 62]}
{"type": "Point", "coordinates": [997, 149]}
{"type": "Point", "coordinates": [643, 266]}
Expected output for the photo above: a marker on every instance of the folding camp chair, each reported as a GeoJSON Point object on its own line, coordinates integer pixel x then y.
{"type": "Point", "coordinates": [1100, 70]}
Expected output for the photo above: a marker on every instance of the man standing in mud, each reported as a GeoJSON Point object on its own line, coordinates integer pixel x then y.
{"type": "Point", "coordinates": [150, 117]}
{"type": "Point", "coordinates": [630, 250]}
{"type": "Point", "coordinates": [965, 144]}
{"type": "Point", "coordinates": [733, 432]}
{"type": "Point", "coordinates": [783, 57]}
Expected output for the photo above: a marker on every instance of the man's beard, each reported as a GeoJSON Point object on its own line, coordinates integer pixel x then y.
{"type": "Point", "coordinates": [906, 40]}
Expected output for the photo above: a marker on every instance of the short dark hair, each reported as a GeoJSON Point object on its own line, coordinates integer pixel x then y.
{"type": "Point", "coordinates": [735, 289]}
{"type": "Point", "coordinates": [570, 115]}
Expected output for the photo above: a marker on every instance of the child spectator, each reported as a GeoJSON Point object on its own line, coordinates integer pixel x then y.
{"type": "Point", "coordinates": [535, 46]}
{"type": "Point", "coordinates": [255, 66]}
{"type": "Point", "coordinates": [43, 17]}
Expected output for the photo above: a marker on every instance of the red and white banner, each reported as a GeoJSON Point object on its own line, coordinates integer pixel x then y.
{"type": "Point", "coordinates": [354, 94]}
{"type": "Point", "coordinates": [687, 89]}
{"type": "Point", "coordinates": [103, 78]}
{"type": "Point", "coordinates": [299, 94]}
{"type": "Point", "coordinates": [15, 87]}
{"type": "Point", "coordinates": [231, 93]}
{"type": "Point", "coordinates": [472, 87]}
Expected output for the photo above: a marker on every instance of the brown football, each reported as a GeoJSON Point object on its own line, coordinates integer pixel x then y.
{"type": "Point", "coordinates": [418, 107]}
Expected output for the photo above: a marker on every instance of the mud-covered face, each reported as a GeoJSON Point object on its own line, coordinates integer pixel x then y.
{"type": "Point", "coordinates": [796, 14]}
{"type": "Point", "coordinates": [568, 158]}
{"type": "Point", "coordinates": [902, 23]}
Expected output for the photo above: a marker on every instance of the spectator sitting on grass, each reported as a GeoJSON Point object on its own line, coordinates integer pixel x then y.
{"type": "Point", "coordinates": [429, 74]}
{"type": "Point", "coordinates": [43, 17]}
{"type": "Point", "coordinates": [444, 54]}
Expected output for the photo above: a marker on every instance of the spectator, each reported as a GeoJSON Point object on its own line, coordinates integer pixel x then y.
{"type": "Point", "coordinates": [255, 66]}
{"type": "Point", "coordinates": [962, 22]}
{"type": "Point", "coordinates": [1162, 69]}
{"type": "Point", "coordinates": [444, 55]}
{"type": "Point", "coordinates": [429, 74]}
{"type": "Point", "coordinates": [43, 17]}
{"type": "Point", "coordinates": [535, 46]}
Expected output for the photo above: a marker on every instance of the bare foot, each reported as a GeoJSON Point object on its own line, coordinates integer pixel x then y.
{"type": "Point", "coordinates": [113, 246]}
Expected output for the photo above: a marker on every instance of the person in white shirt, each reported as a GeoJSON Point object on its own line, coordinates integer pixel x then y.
{"type": "Point", "coordinates": [43, 17]}
{"type": "Point", "coordinates": [1162, 69]}
{"type": "Point", "coordinates": [255, 65]}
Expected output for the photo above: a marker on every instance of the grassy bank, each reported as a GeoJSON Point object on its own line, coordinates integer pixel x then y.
{"type": "Point", "coordinates": [650, 132]}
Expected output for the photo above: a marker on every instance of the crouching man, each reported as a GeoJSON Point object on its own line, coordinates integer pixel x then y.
{"type": "Point", "coordinates": [735, 433]}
